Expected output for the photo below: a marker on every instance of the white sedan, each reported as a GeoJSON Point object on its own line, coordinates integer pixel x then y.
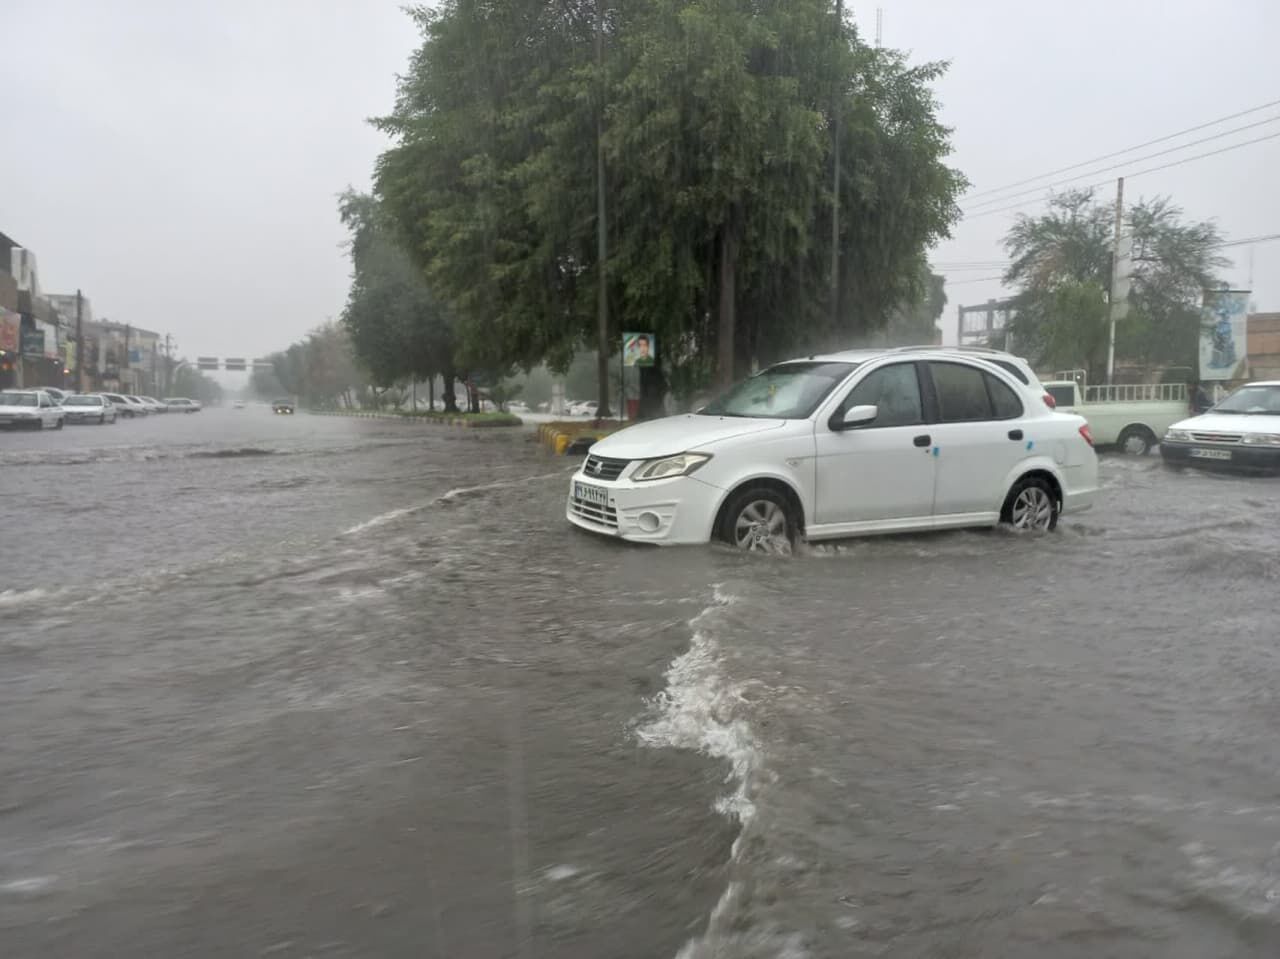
{"type": "Point", "coordinates": [1241, 432]}
{"type": "Point", "coordinates": [842, 445]}
{"type": "Point", "coordinates": [34, 409]}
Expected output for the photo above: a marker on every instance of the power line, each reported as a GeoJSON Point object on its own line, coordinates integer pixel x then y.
{"type": "Point", "coordinates": [1140, 146]}
{"type": "Point", "coordinates": [1121, 165]}
{"type": "Point", "coordinates": [1247, 241]}
{"type": "Point", "coordinates": [1162, 166]}
{"type": "Point", "coordinates": [981, 279]}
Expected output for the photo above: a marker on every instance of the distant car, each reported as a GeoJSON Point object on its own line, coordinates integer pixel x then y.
{"type": "Point", "coordinates": [138, 407]}
{"type": "Point", "coordinates": [180, 404]}
{"type": "Point", "coordinates": [153, 404]}
{"type": "Point", "coordinates": [122, 406]}
{"type": "Point", "coordinates": [518, 406]}
{"type": "Point", "coordinates": [238, 405]}
{"type": "Point", "coordinates": [1242, 432]}
{"type": "Point", "coordinates": [583, 408]}
{"type": "Point", "coordinates": [33, 409]}
{"type": "Point", "coordinates": [282, 406]}
{"type": "Point", "coordinates": [89, 408]}
{"type": "Point", "coordinates": [57, 394]}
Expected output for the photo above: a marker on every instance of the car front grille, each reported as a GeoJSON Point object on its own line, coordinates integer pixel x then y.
{"type": "Point", "coordinates": [604, 468]}
{"type": "Point", "coordinates": [1216, 437]}
{"type": "Point", "coordinates": [594, 513]}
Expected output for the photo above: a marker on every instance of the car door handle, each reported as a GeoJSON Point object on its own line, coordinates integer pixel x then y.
{"type": "Point", "coordinates": [923, 441]}
{"type": "Point", "coordinates": [1015, 434]}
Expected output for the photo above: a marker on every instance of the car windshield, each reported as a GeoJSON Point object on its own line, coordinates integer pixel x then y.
{"type": "Point", "coordinates": [1252, 401]}
{"type": "Point", "coordinates": [83, 401]}
{"type": "Point", "coordinates": [18, 399]}
{"type": "Point", "coordinates": [790, 391]}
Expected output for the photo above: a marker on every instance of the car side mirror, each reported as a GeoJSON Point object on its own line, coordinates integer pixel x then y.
{"type": "Point", "coordinates": [856, 416]}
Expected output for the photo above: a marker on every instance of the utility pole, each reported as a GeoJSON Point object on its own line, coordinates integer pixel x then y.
{"type": "Point", "coordinates": [602, 242]}
{"type": "Point", "coordinates": [1115, 307]}
{"type": "Point", "coordinates": [128, 381]}
{"type": "Point", "coordinates": [79, 342]}
{"type": "Point", "coordinates": [835, 179]}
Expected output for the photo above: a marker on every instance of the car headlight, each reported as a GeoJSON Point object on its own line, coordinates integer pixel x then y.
{"type": "Point", "coordinates": [1178, 436]}
{"type": "Point", "coordinates": [1261, 439]}
{"type": "Point", "coordinates": [669, 466]}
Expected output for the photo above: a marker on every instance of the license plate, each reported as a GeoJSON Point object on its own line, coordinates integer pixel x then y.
{"type": "Point", "coordinates": [1211, 454]}
{"type": "Point", "coordinates": [591, 494]}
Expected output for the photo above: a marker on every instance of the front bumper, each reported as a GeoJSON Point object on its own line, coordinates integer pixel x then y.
{"type": "Point", "coordinates": [1238, 457]}
{"type": "Point", "coordinates": [680, 510]}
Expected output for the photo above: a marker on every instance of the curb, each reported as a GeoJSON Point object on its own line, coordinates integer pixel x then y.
{"type": "Point", "coordinates": [458, 421]}
{"type": "Point", "coordinates": [561, 442]}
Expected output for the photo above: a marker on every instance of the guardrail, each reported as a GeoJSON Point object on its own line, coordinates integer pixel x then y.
{"type": "Point", "coordinates": [1136, 393]}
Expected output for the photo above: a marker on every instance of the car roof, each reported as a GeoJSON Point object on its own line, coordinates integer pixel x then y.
{"type": "Point", "coordinates": [1264, 383]}
{"type": "Point", "coordinates": [862, 355]}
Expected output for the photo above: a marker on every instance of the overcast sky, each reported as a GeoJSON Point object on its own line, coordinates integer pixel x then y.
{"type": "Point", "coordinates": [180, 161]}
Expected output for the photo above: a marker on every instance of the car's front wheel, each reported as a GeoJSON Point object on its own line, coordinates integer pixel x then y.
{"type": "Point", "coordinates": [759, 519]}
{"type": "Point", "coordinates": [59, 424]}
{"type": "Point", "coordinates": [1032, 505]}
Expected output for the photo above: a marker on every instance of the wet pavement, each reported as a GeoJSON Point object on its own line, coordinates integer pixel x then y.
{"type": "Point", "coordinates": [330, 687]}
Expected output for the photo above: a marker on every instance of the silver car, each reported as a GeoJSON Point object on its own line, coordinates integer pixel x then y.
{"type": "Point", "coordinates": [89, 408]}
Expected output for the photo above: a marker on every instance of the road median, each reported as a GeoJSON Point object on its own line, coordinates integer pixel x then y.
{"type": "Point", "coordinates": [465, 420]}
{"type": "Point", "coordinates": [574, 437]}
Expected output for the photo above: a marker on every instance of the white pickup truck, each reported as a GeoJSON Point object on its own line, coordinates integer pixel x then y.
{"type": "Point", "coordinates": [1132, 416]}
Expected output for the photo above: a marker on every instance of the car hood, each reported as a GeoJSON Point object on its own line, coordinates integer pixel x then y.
{"type": "Point", "coordinates": [678, 434]}
{"type": "Point", "coordinates": [1231, 423]}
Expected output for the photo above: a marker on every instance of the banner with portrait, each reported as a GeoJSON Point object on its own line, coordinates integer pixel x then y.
{"type": "Point", "coordinates": [1224, 353]}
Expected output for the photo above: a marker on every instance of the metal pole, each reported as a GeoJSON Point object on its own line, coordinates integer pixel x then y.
{"type": "Point", "coordinates": [835, 181]}
{"type": "Point", "coordinates": [622, 385]}
{"type": "Point", "coordinates": [79, 342]}
{"type": "Point", "coordinates": [1115, 271]}
{"type": "Point", "coordinates": [602, 245]}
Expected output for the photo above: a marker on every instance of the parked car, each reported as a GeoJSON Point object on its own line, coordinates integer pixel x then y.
{"type": "Point", "coordinates": [180, 404]}
{"type": "Point", "coordinates": [58, 395]}
{"type": "Point", "coordinates": [33, 409]}
{"type": "Point", "coordinates": [138, 407]}
{"type": "Point", "coordinates": [1241, 432]}
{"type": "Point", "coordinates": [833, 446]}
{"type": "Point", "coordinates": [282, 406]}
{"type": "Point", "coordinates": [1131, 416]}
{"type": "Point", "coordinates": [582, 408]}
{"type": "Point", "coordinates": [123, 407]}
{"type": "Point", "coordinates": [89, 408]}
{"type": "Point", "coordinates": [153, 405]}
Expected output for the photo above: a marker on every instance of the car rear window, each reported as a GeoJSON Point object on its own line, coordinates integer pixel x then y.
{"type": "Point", "coordinates": [1012, 368]}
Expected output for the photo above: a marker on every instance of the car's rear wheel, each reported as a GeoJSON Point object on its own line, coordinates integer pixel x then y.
{"type": "Point", "coordinates": [1136, 440]}
{"type": "Point", "coordinates": [759, 519]}
{"type": "Point", "coordinates": [1032, 506]}
{"type": "Point", "coordinates": [59, 426]}
{"type": "Point", "coordinates": [102, 420]}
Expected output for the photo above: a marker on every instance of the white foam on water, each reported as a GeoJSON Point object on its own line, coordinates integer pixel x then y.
{"type": "Point", "coordinates": [464, 491]}
{"type": "Point", "coordinates": [20, 597]}
{"type": "Point", "coordinates": [380, 520]}
{"type": "Point", "coordinates": [700, 709]}
{"type": "Point", "coordinates": [28, 886]}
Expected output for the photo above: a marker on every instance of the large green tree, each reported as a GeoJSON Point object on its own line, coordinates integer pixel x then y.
{"type": "Point", "coordinates": [716, 120]}
{"type": "Point", "coordinates": [398, 329]}
{"type": "Point", "coordinates": [1061, 264]}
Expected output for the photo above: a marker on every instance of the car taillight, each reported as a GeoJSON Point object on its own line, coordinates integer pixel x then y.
{"type": "Point", "coordinates": [1087, 434]}
{"type": "Point", "coordinates": [1050, 402]}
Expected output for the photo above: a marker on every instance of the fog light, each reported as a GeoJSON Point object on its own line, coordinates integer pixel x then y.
{"type": "Point", "coordinates": [649, 522]}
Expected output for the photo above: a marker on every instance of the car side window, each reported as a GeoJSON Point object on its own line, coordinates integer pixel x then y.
{"type": "Point", "coordinates": [962, 393]}
{"type": "Point", "coordinates": [894, 390]}
{"type": "Point", "coordinates": [1004, 401]}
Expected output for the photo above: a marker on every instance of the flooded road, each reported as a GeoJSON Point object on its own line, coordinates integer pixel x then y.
{"type": "Point", "coordinates": [330, 687]}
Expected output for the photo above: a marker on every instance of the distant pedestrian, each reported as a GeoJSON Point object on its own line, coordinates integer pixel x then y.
{"type": "Point", "coordinates": [1200, 401]}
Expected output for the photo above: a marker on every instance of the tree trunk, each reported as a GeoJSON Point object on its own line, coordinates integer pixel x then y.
{"type": "Point", "coordinates": [431, 392]}
{"type": "Point", "coordinates": [448, 395]}
{"type": "Point", "coordinates": [653, 389]}
{"type": "Point", "coordinates": [602, 245]}
{"type": "Point", "coordinates": [727, 307]}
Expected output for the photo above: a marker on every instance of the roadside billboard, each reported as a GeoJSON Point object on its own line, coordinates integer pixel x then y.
{"type": "Point", "coordinates": [10, 325]}
{"type": "Point", "coordinates": [33, 342]}
{"type": "Point", "coordinates": [639, 349]}
{"type": "Point", "coordinates": [1224, 353]}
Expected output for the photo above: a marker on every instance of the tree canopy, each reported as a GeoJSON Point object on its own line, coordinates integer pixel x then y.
{"type": "Point", "coordinates": [717, 120]}
{"type": "Point", "coordinates": [1061, 267]}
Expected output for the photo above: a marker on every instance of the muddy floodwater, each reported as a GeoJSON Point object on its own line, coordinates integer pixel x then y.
{"type": "Point", "coordinates": [323, 687]}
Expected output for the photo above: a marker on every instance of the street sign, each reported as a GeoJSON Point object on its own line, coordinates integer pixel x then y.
{"type": "Point", "coordinates": [263, 365]}
{"type": "Point", "coordinates": [33, 342]}
{"type": "Point", "coordinates": [207, 363]}
{"type": "Point", "coordinates": [234, 363]}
